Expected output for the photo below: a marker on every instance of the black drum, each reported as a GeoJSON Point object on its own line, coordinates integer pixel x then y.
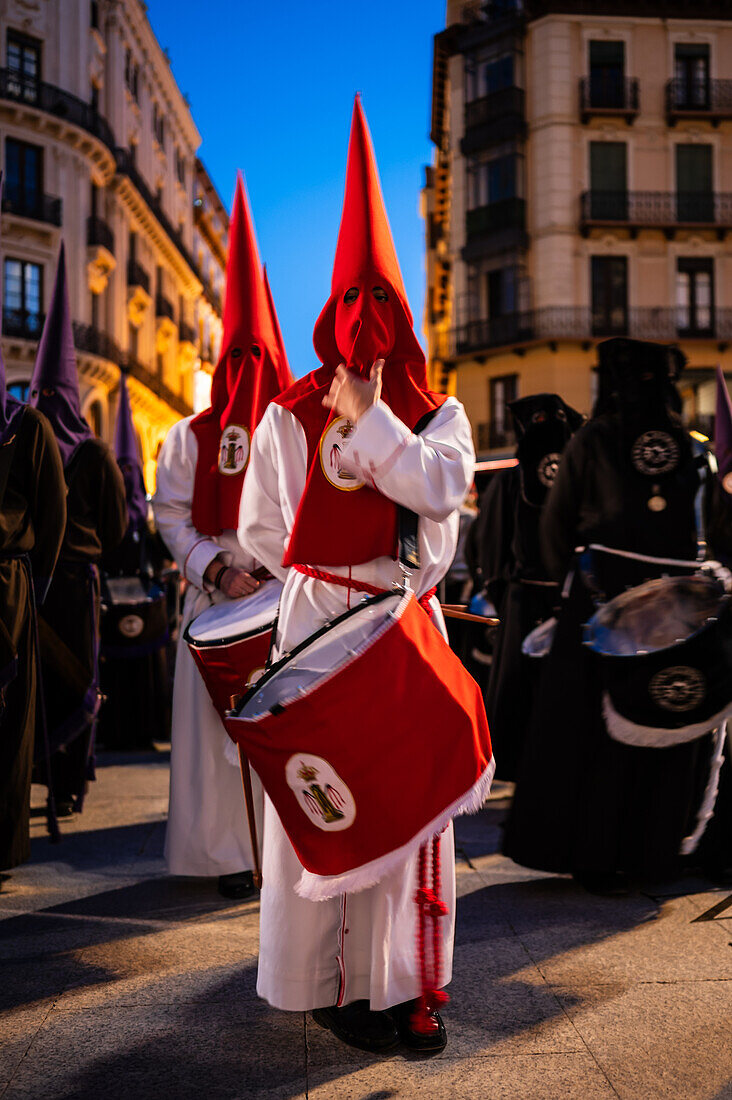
{"type": "Point", "coordinates": [665, 651]}
{"type": "Point", "coordinates": [134, 670]}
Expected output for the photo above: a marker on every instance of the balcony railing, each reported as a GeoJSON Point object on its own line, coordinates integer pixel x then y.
{"type": "Point", "coordinates": [707, 99]}
{"type": "Point", "coordinates": [666, 210]}
{"type": "Point", "coordinates": [32, 204]}
{"type": "Point", "coordinates": [153, 382]}
{"type": "Point", "coordinates": [186, 333]}
{"type": "Point", "coordinates": [581, 323]}
{"type": "Point", "coordinates": [55, 101]}
{"type": "Point", "coordinates": [601, 95]}
{"type": "Point", "coordinates": [213, 297]}
{"type": "Point", "coordinates": [99, 233]}
{"type": "Point", "coordinates": [506, 214]}
{"type": "Point", "coordinates": [22, 324]}
{"type": "Point", "coordinates": [164, 308]}
{"type": "Point", "coordinates": [493, 119]}
{"type": "Point", "coordinates": [127, 167]}
{"type": "Point", "coordinates": [137, 276]}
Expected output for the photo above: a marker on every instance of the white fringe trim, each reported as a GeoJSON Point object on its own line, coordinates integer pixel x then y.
{"type": "Point", "coordinates": [622, 729]}
{"type": "Point", "coordinates": [706, 810]}
{"type": "Point", "coordinates": [323, 887]}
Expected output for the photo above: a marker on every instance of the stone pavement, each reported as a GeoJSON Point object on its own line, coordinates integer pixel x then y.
{"type": "Point", "coordinates": [116, 981]}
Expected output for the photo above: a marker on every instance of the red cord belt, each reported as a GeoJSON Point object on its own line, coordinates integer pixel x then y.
{"type": "Point", "coordinates": [359, 586]}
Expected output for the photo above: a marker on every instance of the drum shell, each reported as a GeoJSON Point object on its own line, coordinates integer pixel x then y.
{"type": "Point", "coordinates": [227, 667]}
{"type": "Point", "coordinates": [704, 658]}
{"type": "Point", "coordinates": [403, 727]}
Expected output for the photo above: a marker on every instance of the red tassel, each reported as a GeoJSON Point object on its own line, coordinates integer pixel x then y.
{"type": "Point", "coordinates": [429, 906]}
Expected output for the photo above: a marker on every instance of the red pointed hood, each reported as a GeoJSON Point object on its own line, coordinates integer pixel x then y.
{"type": "Point", "coordinates": [358, 332]}
{"type": "Point", "coordinates": [284, 374]}
{"type": "Point", "coordinates": [247, 377]}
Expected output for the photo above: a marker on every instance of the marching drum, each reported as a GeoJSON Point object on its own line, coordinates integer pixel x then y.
{"type": "Point", "coordinates": [230, 642]}
{"type": "Point", "coordinates": [665, 650]}
{"type": "Point", "coordinates": [368, 737]}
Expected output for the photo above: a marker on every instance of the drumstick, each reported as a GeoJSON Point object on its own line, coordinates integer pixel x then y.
{"type": "Point", "coordinates": [458, 611]}
{"type": "Point", "coordinates": [246, 782]}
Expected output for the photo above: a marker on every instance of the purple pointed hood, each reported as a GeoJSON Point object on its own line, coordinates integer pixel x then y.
{"type": "Point", "coordinates": [128, 459]}
{"type": "Point", "coordinates": [10, 409]}
{"type": "Point", "coordinates": [723, 432]}
{"type": "Point", "coordinates": [54, 388]}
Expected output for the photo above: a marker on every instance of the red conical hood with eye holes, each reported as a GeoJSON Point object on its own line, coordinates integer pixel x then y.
{"type": "Point", "coordinates": [335, 524]}
{"type": "Point", "coordinates": [251, 371]}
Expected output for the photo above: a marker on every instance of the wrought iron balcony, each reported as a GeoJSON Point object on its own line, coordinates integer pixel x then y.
{"type": "Point", "coordinates": [506, 214]}
{"type": "Point", "coordinates": [32, 204]}
{"type": "Point", "coordinates": [494, 119]}
{"type": "Point", "coordinates": [186, 333]}
{"type": "Point", "coordinates": [22, 324]}
{"type": "Point", "coordinates": [55, 101]}
{"type": "Point", "coordinates": [708, 99]}
{"type": "Point", "coordinates": [665, 210]}
{"type": "Point", "coordinates": [213, 297]}
{"type": "Point", "coordinates": [99, 234]}
{"type": "Point", "coordinates": [137, 276]}
{"type": "Point", "coordinates": [582, 323]}
{"type": "Point", "coordinates": [164, 308]}
{"type": "Point", "coordinates": [600, 95]}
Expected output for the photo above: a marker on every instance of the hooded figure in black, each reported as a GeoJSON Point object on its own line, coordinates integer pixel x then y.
{"type": "Point", "coordinates": [95, 523]}
{"type": "Point", "coordinates": [628, 481]}
{"type": "Point", "coordinates": [516, 580]}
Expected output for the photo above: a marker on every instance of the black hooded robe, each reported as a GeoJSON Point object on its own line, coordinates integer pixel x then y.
{"type": "Point", "coordinates": [584, 802]}
{"type": "Point", "coordinates": [32, 518]}
{"type": "Point", "coordinates": [69, 621]}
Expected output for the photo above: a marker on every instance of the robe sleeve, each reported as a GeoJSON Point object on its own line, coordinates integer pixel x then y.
{"type": "Point", "coordinates": [47, 505]}
{"type": "Point", "coordinates": [428, 473]}
{"type": "Point", "coordinates": [496, 523]}
{"type": "Point", "coordinates": [559, 525]}
{"type": "Point", "coordinates": [173, 501]}
{"type": "Point", "coordinates": [278, 457]}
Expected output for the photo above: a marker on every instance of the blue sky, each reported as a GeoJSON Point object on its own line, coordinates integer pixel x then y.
{"type": "Point", "coordinates": [271, 88]}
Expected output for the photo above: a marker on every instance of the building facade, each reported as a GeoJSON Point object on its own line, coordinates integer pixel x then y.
{"type": "Point", "coordinates": [581, 188]}
{"type": "Point", "coordinates": [98, 147]}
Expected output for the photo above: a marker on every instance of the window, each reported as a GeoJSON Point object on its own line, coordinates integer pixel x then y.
{"type": "Point", "coordinates": [180, 167]}
{"type": "Point", "coordinates": [694, 192]}
{"type": "Point", "coordinates": [24, 66]}
{"type": "Point", "coordinates": [607, 74]}
{"type": "Point", "coordinates": [609, 295]}
{"type": "Point", "coordinates": [695, 296]}
{"type": "Point", "coordinates": [691, 75]}
{"type": "Point", "coordinates": [501, 292]}
{"type": "Point", "coordinates": [133, 340]}
{"type": "Point", "coordinates": [94, 99]}
{"type": "Point", "coordinates": [609, 180]}
{"type": "Point", "coordinates": [132, 75]}
{"type": "Point", "coordinates": [159, 126]}
{"type": "Point", "coordinates": [23, 298]}
{"type": "Point", "coordinates": [494, 180]}
{"type": "Point", "coordinates": [498, 75]}
{"type": "Point", "coordinates": [501, 391]}
{"type": "Point", "coordinates": [23, 189]}
{"type": "Point", "coordinates": [19, 390]}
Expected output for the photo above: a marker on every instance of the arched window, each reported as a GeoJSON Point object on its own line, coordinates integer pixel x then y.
{"type": "Point", "coordinates": [95, 417]}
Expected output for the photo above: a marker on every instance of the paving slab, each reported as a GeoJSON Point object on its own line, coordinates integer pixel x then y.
{"type": "Point", "coordinates": [164, 1051]}
{"type": "Point", "coordinates": [523, 1077]}
{"type": "Point", "coordinates": [658, 1040]}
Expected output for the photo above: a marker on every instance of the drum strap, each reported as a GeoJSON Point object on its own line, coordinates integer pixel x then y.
{"type": "Point", "coordinates": [359, 586]}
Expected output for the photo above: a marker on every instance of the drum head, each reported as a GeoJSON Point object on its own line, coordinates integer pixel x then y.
{"type": "Point", "coordinates": [223, 622]}
{"type": "Point", "coordinates": [321, 655]}
{"type": "Point", "coordinates": [656, 615]}
{"type": "Point", "coordinates": [540, 640]}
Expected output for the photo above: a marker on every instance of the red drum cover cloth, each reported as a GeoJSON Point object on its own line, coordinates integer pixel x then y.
{"type": "Point", "coordinates": [403, 728]}
{"type": "Point", "coordinates": [227, 669]}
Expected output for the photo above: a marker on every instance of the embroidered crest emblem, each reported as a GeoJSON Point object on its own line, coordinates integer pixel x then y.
{"type": "Point", "coordinates": [320, 792]}
{"type": "Point", "coordinates": [546, 471]}
{"type": "Point", "coordinates": [331, 451]}
{"type": "Point", "coordinates": [233, 450]}
{"type": "Point", "coordinates": [131, 626]}
{"type": "Point", "coordinates": [655, 453]}
{"type": "Point", "coordinates": [679, 688]}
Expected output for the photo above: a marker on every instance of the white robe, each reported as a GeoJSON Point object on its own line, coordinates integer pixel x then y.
{"type": "Point", "coordinates": [315, 954]}
{"type": "Point", "coordinates": [207, 831]}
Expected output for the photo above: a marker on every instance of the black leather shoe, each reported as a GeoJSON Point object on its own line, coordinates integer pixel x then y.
{"type": "Point", "coordinates": [356, 1025]}
{"type": "Point", "coordinates": [431, 1043]}
{"type": "Point", "coordinates": [238, 886]}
